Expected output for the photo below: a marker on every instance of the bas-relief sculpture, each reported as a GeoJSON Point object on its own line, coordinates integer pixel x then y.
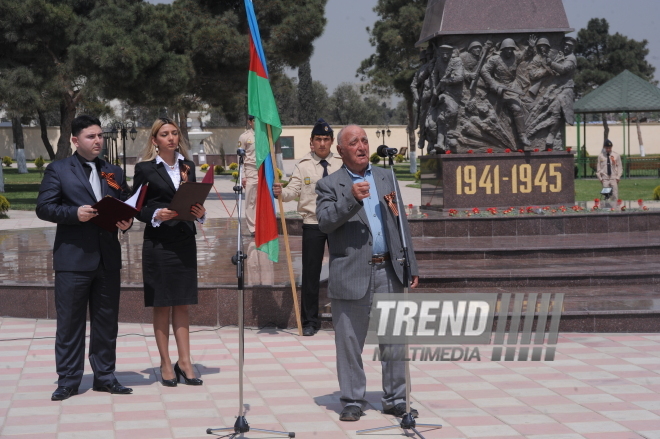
{"type": "Point", "coordinates": [500, 91]}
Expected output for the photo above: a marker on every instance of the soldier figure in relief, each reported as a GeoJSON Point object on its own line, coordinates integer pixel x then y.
{"type": "Point", "coordinates": [470, 59]}
{"type": "Point", "coordinates": [564, 65]}
{"type": "Point", "coordinates": [500, 73]}
{"type": "Point", "coordinates": [447, 80]}
{"type": "Point", "coordinates": [423, 93]}
{"type": "Point", "coordinates": [539, 68]}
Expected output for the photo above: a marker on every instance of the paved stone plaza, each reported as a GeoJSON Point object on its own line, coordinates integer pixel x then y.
{"type": "Point", "coordinates": [601, 386]}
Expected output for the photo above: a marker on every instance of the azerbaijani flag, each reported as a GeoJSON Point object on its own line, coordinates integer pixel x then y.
{"type": "Point", "coordinates": [261, 105]}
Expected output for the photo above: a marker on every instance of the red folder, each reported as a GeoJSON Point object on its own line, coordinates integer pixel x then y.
{"type": "Point", "coordinates": [112, 210]}
{"type": "Point", "coordinates": [187, 196]}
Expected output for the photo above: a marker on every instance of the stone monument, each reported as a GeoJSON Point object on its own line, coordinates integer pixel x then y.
{"type": "Point", "coordinates": [495, 80]}
{"type": "Point", "coordinates": [494, 74]}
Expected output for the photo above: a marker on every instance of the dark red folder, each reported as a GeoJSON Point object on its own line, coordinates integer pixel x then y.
{"type": "Point", "coordinates": [188, 195]}
{"type": "Point", "coordinates": [112, 210]}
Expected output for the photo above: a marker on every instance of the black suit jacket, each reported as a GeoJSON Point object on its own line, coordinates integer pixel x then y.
{"type": "Point", "coordinates": [159, 195]}
{"type": "Point", "coordinates": [79, 246]}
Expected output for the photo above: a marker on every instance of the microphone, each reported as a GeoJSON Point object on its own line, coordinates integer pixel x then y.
{"type": "Point", "coordinates": [240, 152]}
{"type": "Point", "coordinates": [384, 151]}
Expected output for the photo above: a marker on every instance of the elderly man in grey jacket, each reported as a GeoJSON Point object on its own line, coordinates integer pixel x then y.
{"type": "Point", "coordinates": [365, 258]}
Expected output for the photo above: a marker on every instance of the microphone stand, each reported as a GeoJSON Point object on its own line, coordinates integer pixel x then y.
{"type": "Point", "coordinates": [407, 420]}
{"type": "Point", "coordinates": [241, 425]}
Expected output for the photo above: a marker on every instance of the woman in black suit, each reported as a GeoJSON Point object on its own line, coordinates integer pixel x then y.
{"type": "Point", "coordinates": [169, 253]}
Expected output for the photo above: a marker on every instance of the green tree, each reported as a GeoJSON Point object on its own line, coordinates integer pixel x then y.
{"type": "Point", "coordinates": [348, 106]}
{"type": "Point", "coordinates": [19, 90]}
{"type": "Point", "coordinates": [285, 90]}
{"type": "Point", "coordinates": [602, 56]}
{"type": "Point", "coordinates": [37, 34]}
{"type": "Point", "coordinates": [391, 68]}
{"type": "Point", "coordinates": [308, 115]}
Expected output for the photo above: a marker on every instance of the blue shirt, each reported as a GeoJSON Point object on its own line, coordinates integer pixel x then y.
{"type": "Point", "coordinates": [372, 209]}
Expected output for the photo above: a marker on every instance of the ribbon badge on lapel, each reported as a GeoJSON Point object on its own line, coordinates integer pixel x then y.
{"type": "Point", "coordinates": [184, 172]}
{"type": "Point", "coordinates": [391, 201]}
{"type": "Point", "coordinates": [110, 179]}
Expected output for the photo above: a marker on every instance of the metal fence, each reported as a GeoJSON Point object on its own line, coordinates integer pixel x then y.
{"type": "Point", "coordinates": [585, 167]}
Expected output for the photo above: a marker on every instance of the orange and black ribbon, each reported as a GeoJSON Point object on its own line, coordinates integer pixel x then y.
{"type": "Point", "coordinates": [110, 179]}
{"type": "Point", "coordinates": [391, 201]}
{"type": "Point", "coordinates": [184, 173]}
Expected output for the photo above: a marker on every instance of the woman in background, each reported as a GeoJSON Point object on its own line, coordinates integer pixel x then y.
{"type": "Point", "coordinates": [169, 253]}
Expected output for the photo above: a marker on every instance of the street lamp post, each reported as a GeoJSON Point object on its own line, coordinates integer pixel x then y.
{"type": "Point", "coordinates": [383, 132]}
{"type": "Point", "coordinates": [105, 153]}
{"type": "Point", "coordinates": [124, 129]}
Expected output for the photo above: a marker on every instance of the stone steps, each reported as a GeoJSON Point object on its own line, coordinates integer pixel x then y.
{"type": "Point", "coordinates": [541, 272]}
{"type": "Point", "coordinates": [538, 246]}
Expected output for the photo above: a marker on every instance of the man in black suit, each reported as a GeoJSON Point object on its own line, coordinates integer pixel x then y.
{"type": "Point", "coordinates": [86, 259]}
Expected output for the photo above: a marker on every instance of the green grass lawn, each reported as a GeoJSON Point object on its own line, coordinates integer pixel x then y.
{"type": "Point", "coordinates": [629, 189]}
{"type": "Point", "coordinates": [22, 189]}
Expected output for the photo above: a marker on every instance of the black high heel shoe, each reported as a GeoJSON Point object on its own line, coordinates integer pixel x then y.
{"type": "Point", "coordinates": [188, 381]}
{"type": "Point", "coordinates": [168, 383]}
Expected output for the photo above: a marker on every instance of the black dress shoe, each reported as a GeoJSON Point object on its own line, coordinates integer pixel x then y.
{"type": "Point", "coordinates": [114, 388]}
{"type": "Point", "coordinates": [189, 381]}
{"type": "Point", "coordinates": [167, 383]}
{"type": "Point", "coordinates": [351, 413]}
{"type": "Point", "coordinates": [62, 393]}
{"type": "Point", "coordinates": [308, 331]}
{"type": "Point", "coordinates": [400, 409]}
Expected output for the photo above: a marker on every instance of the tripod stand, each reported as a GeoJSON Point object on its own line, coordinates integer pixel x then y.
{"type": "Point", "coordinates": [407, 420]}
{"type": "Point", "coordinates": [241, 425]}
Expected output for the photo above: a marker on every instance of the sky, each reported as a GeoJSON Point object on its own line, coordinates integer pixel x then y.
{"type": "Point", "coordinates": [345, 42]}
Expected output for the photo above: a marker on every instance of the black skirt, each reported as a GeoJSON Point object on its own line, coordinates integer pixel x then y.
{"type": "Point", "coordinates": [169, 270]}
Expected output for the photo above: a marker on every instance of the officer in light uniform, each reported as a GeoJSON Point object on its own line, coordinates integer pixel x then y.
{"type": "Point", "coordinates": [610, 169]}
{"type": "Point", "coordinates": [246, 141]}
{"type": "Point", "coordinates": [319, 162]}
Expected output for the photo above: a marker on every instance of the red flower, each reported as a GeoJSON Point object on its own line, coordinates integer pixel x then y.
{"type": "Point", "coordinates": [568, 149]}
{"type": "Point", "coordinates": [470, 151]}
{"type": "Point", "coordinates": [645, 208]}
{"type": "Point", "coordinates": [520, 150]}
{"type": "Point", "coordinates": [549, 149]}
{"type": "Point", "coordinates": [448, 152]}
{"type": "Point", "coordinates": [489, 150]}
{"type": "Point", "coordinates": [507, 150]}
{"type": "Point", "coordinates": [623, 208]}
{"type": "Point", "coordinates": [453, 212]}
{"type": "Point", "coordinates": [428, 204]}
{"type": "Point", "coordinates": [619, 201]}
{"type": "Point", "coordinates": [475, 210]}
{"type": "Point", "coordinates": [640, 202]}
{"type": "Point", "coordinates": [596, 200]}
{"type": "Point", "coordinates": [410, 206]}
{"type": "Point", "coordinates": [536, 150]}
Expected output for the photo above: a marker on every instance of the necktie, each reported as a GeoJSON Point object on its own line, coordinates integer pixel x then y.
{"type": "Point", "coordinates": [609, 166]}
{"type": "Point", "coordinates": [324, 163]}
{"type": "Point", "coordinates": [95, 181]}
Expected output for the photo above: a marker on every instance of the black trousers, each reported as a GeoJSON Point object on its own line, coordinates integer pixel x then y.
{"type": "Point", "coordinates": [74, 290]}
{"type": "Point", "coordinates": [313, 246]}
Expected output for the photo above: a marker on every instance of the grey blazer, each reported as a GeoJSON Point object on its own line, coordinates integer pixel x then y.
{"type": "Point", "coordinates": [350, 241]}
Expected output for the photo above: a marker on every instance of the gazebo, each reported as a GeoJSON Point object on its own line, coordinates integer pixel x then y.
{"type": "Point", "coordinates": [625, 93]}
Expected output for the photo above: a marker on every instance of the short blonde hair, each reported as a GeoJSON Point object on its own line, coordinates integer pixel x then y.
{"type": "Point", "coordinates": [149, 152]}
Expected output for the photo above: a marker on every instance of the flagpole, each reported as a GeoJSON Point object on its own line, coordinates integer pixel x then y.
{"type": "Point", "coordinates": [286, 235]}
